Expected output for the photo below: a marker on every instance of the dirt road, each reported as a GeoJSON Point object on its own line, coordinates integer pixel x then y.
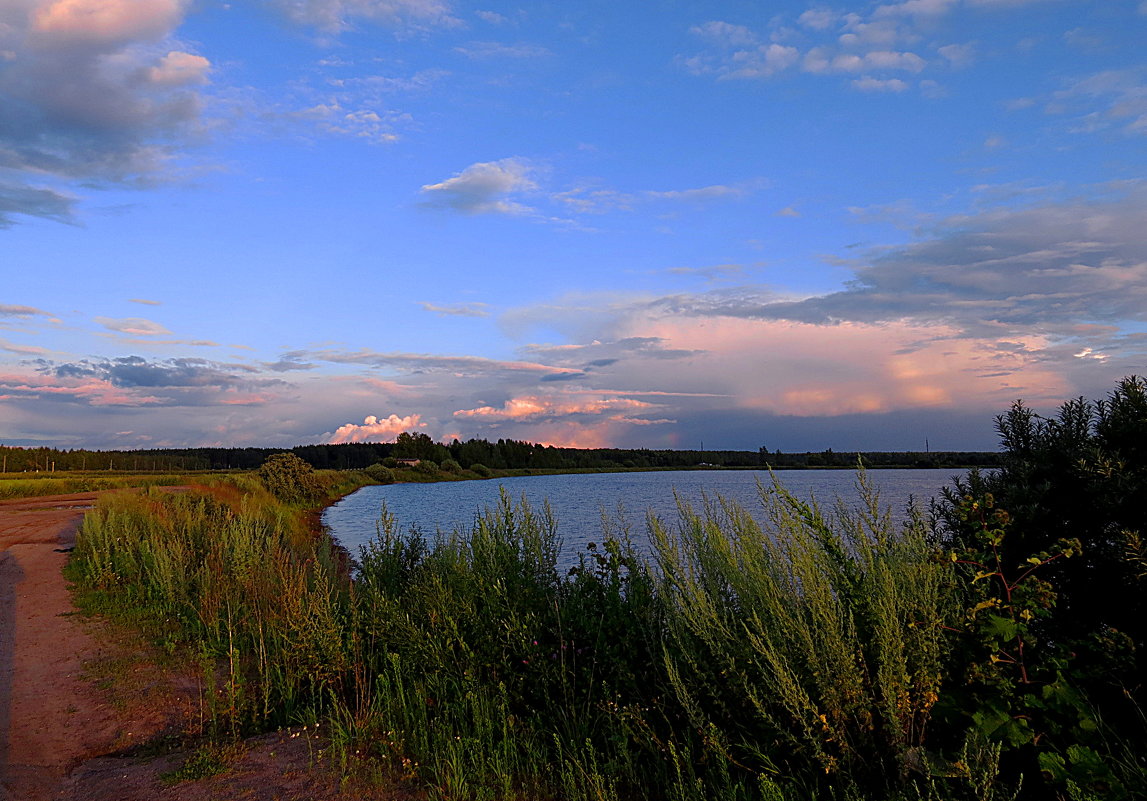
{"type": "Point", "coordinates": [51, 719]}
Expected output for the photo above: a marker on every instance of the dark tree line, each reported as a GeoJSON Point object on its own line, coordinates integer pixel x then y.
{"type": "Point", "coordinates": [504, 454]}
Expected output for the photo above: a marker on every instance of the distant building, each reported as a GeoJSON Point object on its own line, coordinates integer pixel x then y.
{"type": "Point", "coordinates": [407, 462]}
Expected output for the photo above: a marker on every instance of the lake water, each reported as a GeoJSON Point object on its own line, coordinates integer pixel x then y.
{"type": "Point", "coordinates": [579, 501]}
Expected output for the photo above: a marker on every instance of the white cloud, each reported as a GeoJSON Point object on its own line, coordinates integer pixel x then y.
{"type": "Point", "coordinates": [819, 19]}
{"type": "Point", "coordinates": [870, 84]}
{"type": "Point", "coordinates": [485, 188]}
{"type": "Point", "coordinates": [916, 8]}
{"type": "Point", "coordinates": [958, 55]}
{"type": "Point", "coordinates": [375, 429]}
{"type": "Point", "coordinates": [179, 69]}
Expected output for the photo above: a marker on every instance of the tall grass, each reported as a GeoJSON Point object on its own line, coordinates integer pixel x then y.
{"type": "Point", "coordinates": [796, 659]}
{"type": "Point", "coordinates": [66, 483]}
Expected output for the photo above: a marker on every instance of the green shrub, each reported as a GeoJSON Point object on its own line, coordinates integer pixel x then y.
{"type": "Point", "coordinates": [451, 466]}
{"type": "Point", "coordinates": [481, 470]}
{"type": "Point", "coordinates": [290, 479]}
{"type": "Point", "coordinates": [427, 467]}
{"type": "Point", "coordinates": [380, 473]}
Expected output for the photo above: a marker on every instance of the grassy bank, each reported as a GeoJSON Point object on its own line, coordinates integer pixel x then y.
{"type": "Point", "coordinates": [797, 660]}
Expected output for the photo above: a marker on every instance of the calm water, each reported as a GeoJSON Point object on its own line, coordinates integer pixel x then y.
{"type": "Point", "coordinates": [579, 501]}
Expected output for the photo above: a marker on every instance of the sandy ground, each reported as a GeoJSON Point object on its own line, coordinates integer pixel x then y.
{"type": "Point", "coordinates": [88, 714]}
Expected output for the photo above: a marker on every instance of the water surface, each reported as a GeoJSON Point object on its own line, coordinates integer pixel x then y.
{"type": "Point", "coordinates": [579, 501]}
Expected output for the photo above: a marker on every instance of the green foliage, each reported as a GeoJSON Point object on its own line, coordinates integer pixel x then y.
{"type": "Point", "coordinates": [451, 466]}
{"type": "Point", "coordinates": [1081, 474]}
{"type": "Point", "coordinates": [1048, 550]}
{"type": "Point", "coordinates": [818, 654]}
{"type": "Point", "coordinates": [481, 470]}
{"type": "Point", "coordinates": [426, 467]}
{"type": "Point", "coordinates": [290, 479]}
{"type": "Point", "coordinates": [822, 636]}
{"type": "Point", "coordinates": [380, 473]}
{"type": "Point", "coordinates": [208, 760]}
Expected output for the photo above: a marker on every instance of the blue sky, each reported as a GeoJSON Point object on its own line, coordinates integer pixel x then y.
{"type": "Point", "coordinates": [800, 225]}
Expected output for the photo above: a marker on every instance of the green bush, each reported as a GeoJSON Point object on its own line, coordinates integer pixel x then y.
{"type": "Point", "coordinates": [1053, 645]}
{"type": "Point", "coordinates": [290, 479]}
{"type": "Point", "coordinates": [481, 470]}
{"type": "Point", "coordinates": [427, 467]}
{"type": "Point", "coordinates": [380, 473]}
{"type": "Point", "coordinates": [451, 466]}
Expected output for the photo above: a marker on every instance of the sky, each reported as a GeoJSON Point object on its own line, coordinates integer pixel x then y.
{"type": "Point", "coordinates": [792, 225]}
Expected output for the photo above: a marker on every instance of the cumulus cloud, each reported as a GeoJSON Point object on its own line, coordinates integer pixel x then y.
{"type": "Point", "coordinates": [885, 38]}
{"type": "Point", "coordinates": [375, 429]}
{"type": "Point", "coordinates": [484, 188]}
{"type": "Point", "coordinates": [822, 60]}
{"type": "Point", "coordinates": [93, 91]}
{"type": "Point", "coordinates": [738, 53]}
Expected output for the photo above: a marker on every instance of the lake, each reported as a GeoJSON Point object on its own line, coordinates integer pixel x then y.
{"type": "Point", "coordinates": [579, 501]}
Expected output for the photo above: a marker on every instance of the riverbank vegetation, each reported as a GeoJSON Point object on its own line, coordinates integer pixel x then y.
{"type": "Point", "coordinates": [827, 653]}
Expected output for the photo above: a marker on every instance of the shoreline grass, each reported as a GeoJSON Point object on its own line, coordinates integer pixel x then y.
{"type": "Point", "coordinates": [474, 668]}
{"type": "Point", "coordinates": [814, 656]}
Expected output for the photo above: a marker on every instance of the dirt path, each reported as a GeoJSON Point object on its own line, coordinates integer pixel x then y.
{"type": "Point", "coordinates": [50, 717]}
{"type": "Point", "coordinates": [80, 708]}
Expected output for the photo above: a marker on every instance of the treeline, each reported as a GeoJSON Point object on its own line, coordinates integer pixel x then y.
{"type": "Point", "coordinates": [505, 454]}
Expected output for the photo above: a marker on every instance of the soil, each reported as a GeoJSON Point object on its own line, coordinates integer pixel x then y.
{"type": "Point", "coordinates": [89, 712]}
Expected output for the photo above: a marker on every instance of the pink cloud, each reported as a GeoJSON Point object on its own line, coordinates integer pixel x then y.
{"type": "Point", "coordinates": [805, 369]}
{"type": "Point", "coordinates": [536, 406]}
{"type": "Point", "coordinates": [373, 428]}
{"type": "Point", "coordinates": [106, 21]}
